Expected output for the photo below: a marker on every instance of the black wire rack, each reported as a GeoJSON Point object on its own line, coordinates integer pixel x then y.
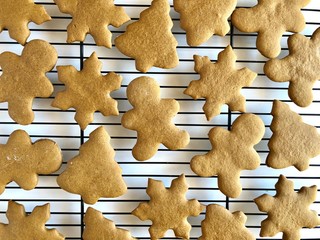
{"type": "Point", "coordinates": [67, 210]}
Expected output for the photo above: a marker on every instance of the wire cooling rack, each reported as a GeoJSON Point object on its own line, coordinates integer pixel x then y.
{"type": "Point", "coordinates": [67, 210]}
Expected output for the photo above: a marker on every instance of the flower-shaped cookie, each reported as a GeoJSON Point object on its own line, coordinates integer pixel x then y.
{"type": "Point", "coordinates": [220, 83]}
{"type": "Point", "coordinates": [288, 211]}
{"type": "Point", "coordinates": [152, 117]}
{"type": "Point", "coordinates": [168, 208]}
{"type": "Point", "coordinates": [92, 16]}
{"type": "Point", "coordinates": [24, 78]}
{"type": "Point", "coordinates": [98, 227]}
{"type": "Point", "coordinates": [201, 19]}
{"type": "Point", "coordinates": [15, 16]}
{"type": "Point", "coordinates": [271, 19]}
{"type": "Point", "coordinates": [220, 222]}
{"type": "Point", "coordinates": [301, 67]}
{"type": "Point", "coordinates": [293, 142]}
{"type": "Point", "coordinates": [87, 91]}
{"type": "Point", "coordinates": [28, 227]}
{"type": "Point", "coordinates": [232, 151]}
{"type": "Point", "coordinates": [21, 160]}
{"type": "Point", "coordinates": [150, 40]}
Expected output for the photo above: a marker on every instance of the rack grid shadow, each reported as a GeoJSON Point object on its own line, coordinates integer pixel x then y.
{"type": "Point", "coordinates": [67, 210]}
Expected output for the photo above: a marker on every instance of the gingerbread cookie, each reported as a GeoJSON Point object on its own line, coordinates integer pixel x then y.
{"type": "Point", "coordinates": [151, 117]}
{"type": "Point", "coordinates": [232, 151]}
{"type": "Point", "coordinates": [168, 208]}
{"type": "Point", "coordinates": [293, 142]}
{"type": "Point", "coordinates": [28, 227]}
{"type": "Point", "coordinates": [92, 16]}
{"type": "Point", "coordinates": [87, 91]}
{"type": "Point", "coordinates": [301, 67]}
{"type": "Point", "coordinates": [222, 224]}
{"type": "Point", "coordinates": [94, 173]}
{"type": "Point", "coordinates": [21, 160]}
{"type": "Point", "coordinates": [271, 19]}
{"type": "Point", "coordinates": [288, 211]}
{"type": "Point", "coordinates": [99, 228]}
{"type": "Point", "coordinates": [149, 40]}
{"type": "Point", "coordinates": [220, 83]}
{"type": "Point", "coordinates": [15, 16]}
{"type": "Point", "coordinates": [202, 19]}
{"type": "Point", "coordinates": [24, 79]}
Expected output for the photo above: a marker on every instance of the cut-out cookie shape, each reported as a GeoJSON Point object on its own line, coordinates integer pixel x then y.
{"type": "Point", "coordinates": [201, 19]}
{"type": "Point", "coordinates": [149, 40]}
{"type": "Point", "coordinates": [87, 91]}
{"type": "Point", "coordinates": [293, 142]}
{"type": "Point", "coordinates": [271, 19]}
{"type": "Point", "coordinates": [232, 151]}
{"type": "Point", "coordinates": [220, 222]}
{"type": "Point", "coordinates": [21, 160]}
{"type": "Point", "coordinates": [168, 208]}
{"type": "Point", "coordinates": [220, 83]}
{"type": "Point", "coordinates": [28, 227]}
{"type": "Point", "coordinates": [24, 78]}
{"type": "Point", "coordinates": [94, 173]}
{"type": "Point", "coordinates": [99, 228]}
{"type": "Point", "coordinates": [152, 117]}
{"type": "Point", "coordinates": [301, 67]}
{"type": "Point", "coordinates": [93, 17]}
{"type": "Point", "coordinates": [15, 16]}
{"type": "Point", "coordinates": [288, 211]}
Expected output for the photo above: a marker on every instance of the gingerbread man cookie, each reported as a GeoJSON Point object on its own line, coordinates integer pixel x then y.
{"type": "Point", "coordinates": [24, 78]}
{"type": "Point", "coordinates": [151, 117]}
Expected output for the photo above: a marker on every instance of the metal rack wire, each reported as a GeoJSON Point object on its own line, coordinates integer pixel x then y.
{"type": "Point", "coordinates": [68, 210]}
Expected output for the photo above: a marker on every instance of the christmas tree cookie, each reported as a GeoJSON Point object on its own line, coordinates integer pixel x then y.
{"type": "Point", "coordinates": [149, 40]}
{"type": "Point", "coordinates": [94, 173]}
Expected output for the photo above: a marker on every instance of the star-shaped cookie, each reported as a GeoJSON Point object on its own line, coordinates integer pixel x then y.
{"type": "Point", "coordinates": [15, 16]}
{"type": "Point", "coordinates": [168, 208]}
{"type": "Point", "coordinates": [152, 117]}
{"type": "Point", "coordinates": [301, 68]}
{"type": "Point", "coordinates": [288, 211]}
{"type": "Point", "coordinates": [271, 19]}
{"type": "Point", "coordinates": [24, 78]}
{"type": "Point", "coordinates": [220, 83]}
{"type": "Point", "coordinates": [232, 151]}
{"type": "Point", "coordinates": [92, 16]}
{"type": "Point", "coordinates": [201, 19]}
{"type": "Point", "coordinates": [28, 227]}
{"type": "Point", "coordinates": [21, 160]}
{"type": "Point", "coordinates": [87, 91]}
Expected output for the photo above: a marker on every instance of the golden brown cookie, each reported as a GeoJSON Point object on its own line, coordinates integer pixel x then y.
{"type": "Point", "coordinates": [301, 68]}
{"type": "Point", "coordinates": [87, 91]}
{"type": "Point", "coordinates": [168, 208]}
{"type": "Point", "coordinates": [21, 160]}
{"type": "Point", "coordinates": [94, 173]}
{"type": "Point", "coordinates": [222, 224]}
{"type": "Point", "coordinates": [232, 151]}
{"type": "Point", "coordinates": [203, 18]}
{"type": "Point", "coordinates": [15, 16]}
{"type": "Point", "coordinates": [28, 227]}
{"type": "Point", "coordinates": [220, 83]}
{"type": "Point", "coordinates": [288, 211]}
{"type": "Point", "coordinates": [271, 19]}
{"type": "Point", "coordinates": [149, 40]}
{"type": "Point", "coordinates": [24, 78]}
{"type": "Point", "coordinates": [152, 117]}
{"type": "Point", "coordinates": [92, 16]}
{"type": "Point", "coordinates": [99, 228]}
{"type": "Point", "coordinates": [293, 142]}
